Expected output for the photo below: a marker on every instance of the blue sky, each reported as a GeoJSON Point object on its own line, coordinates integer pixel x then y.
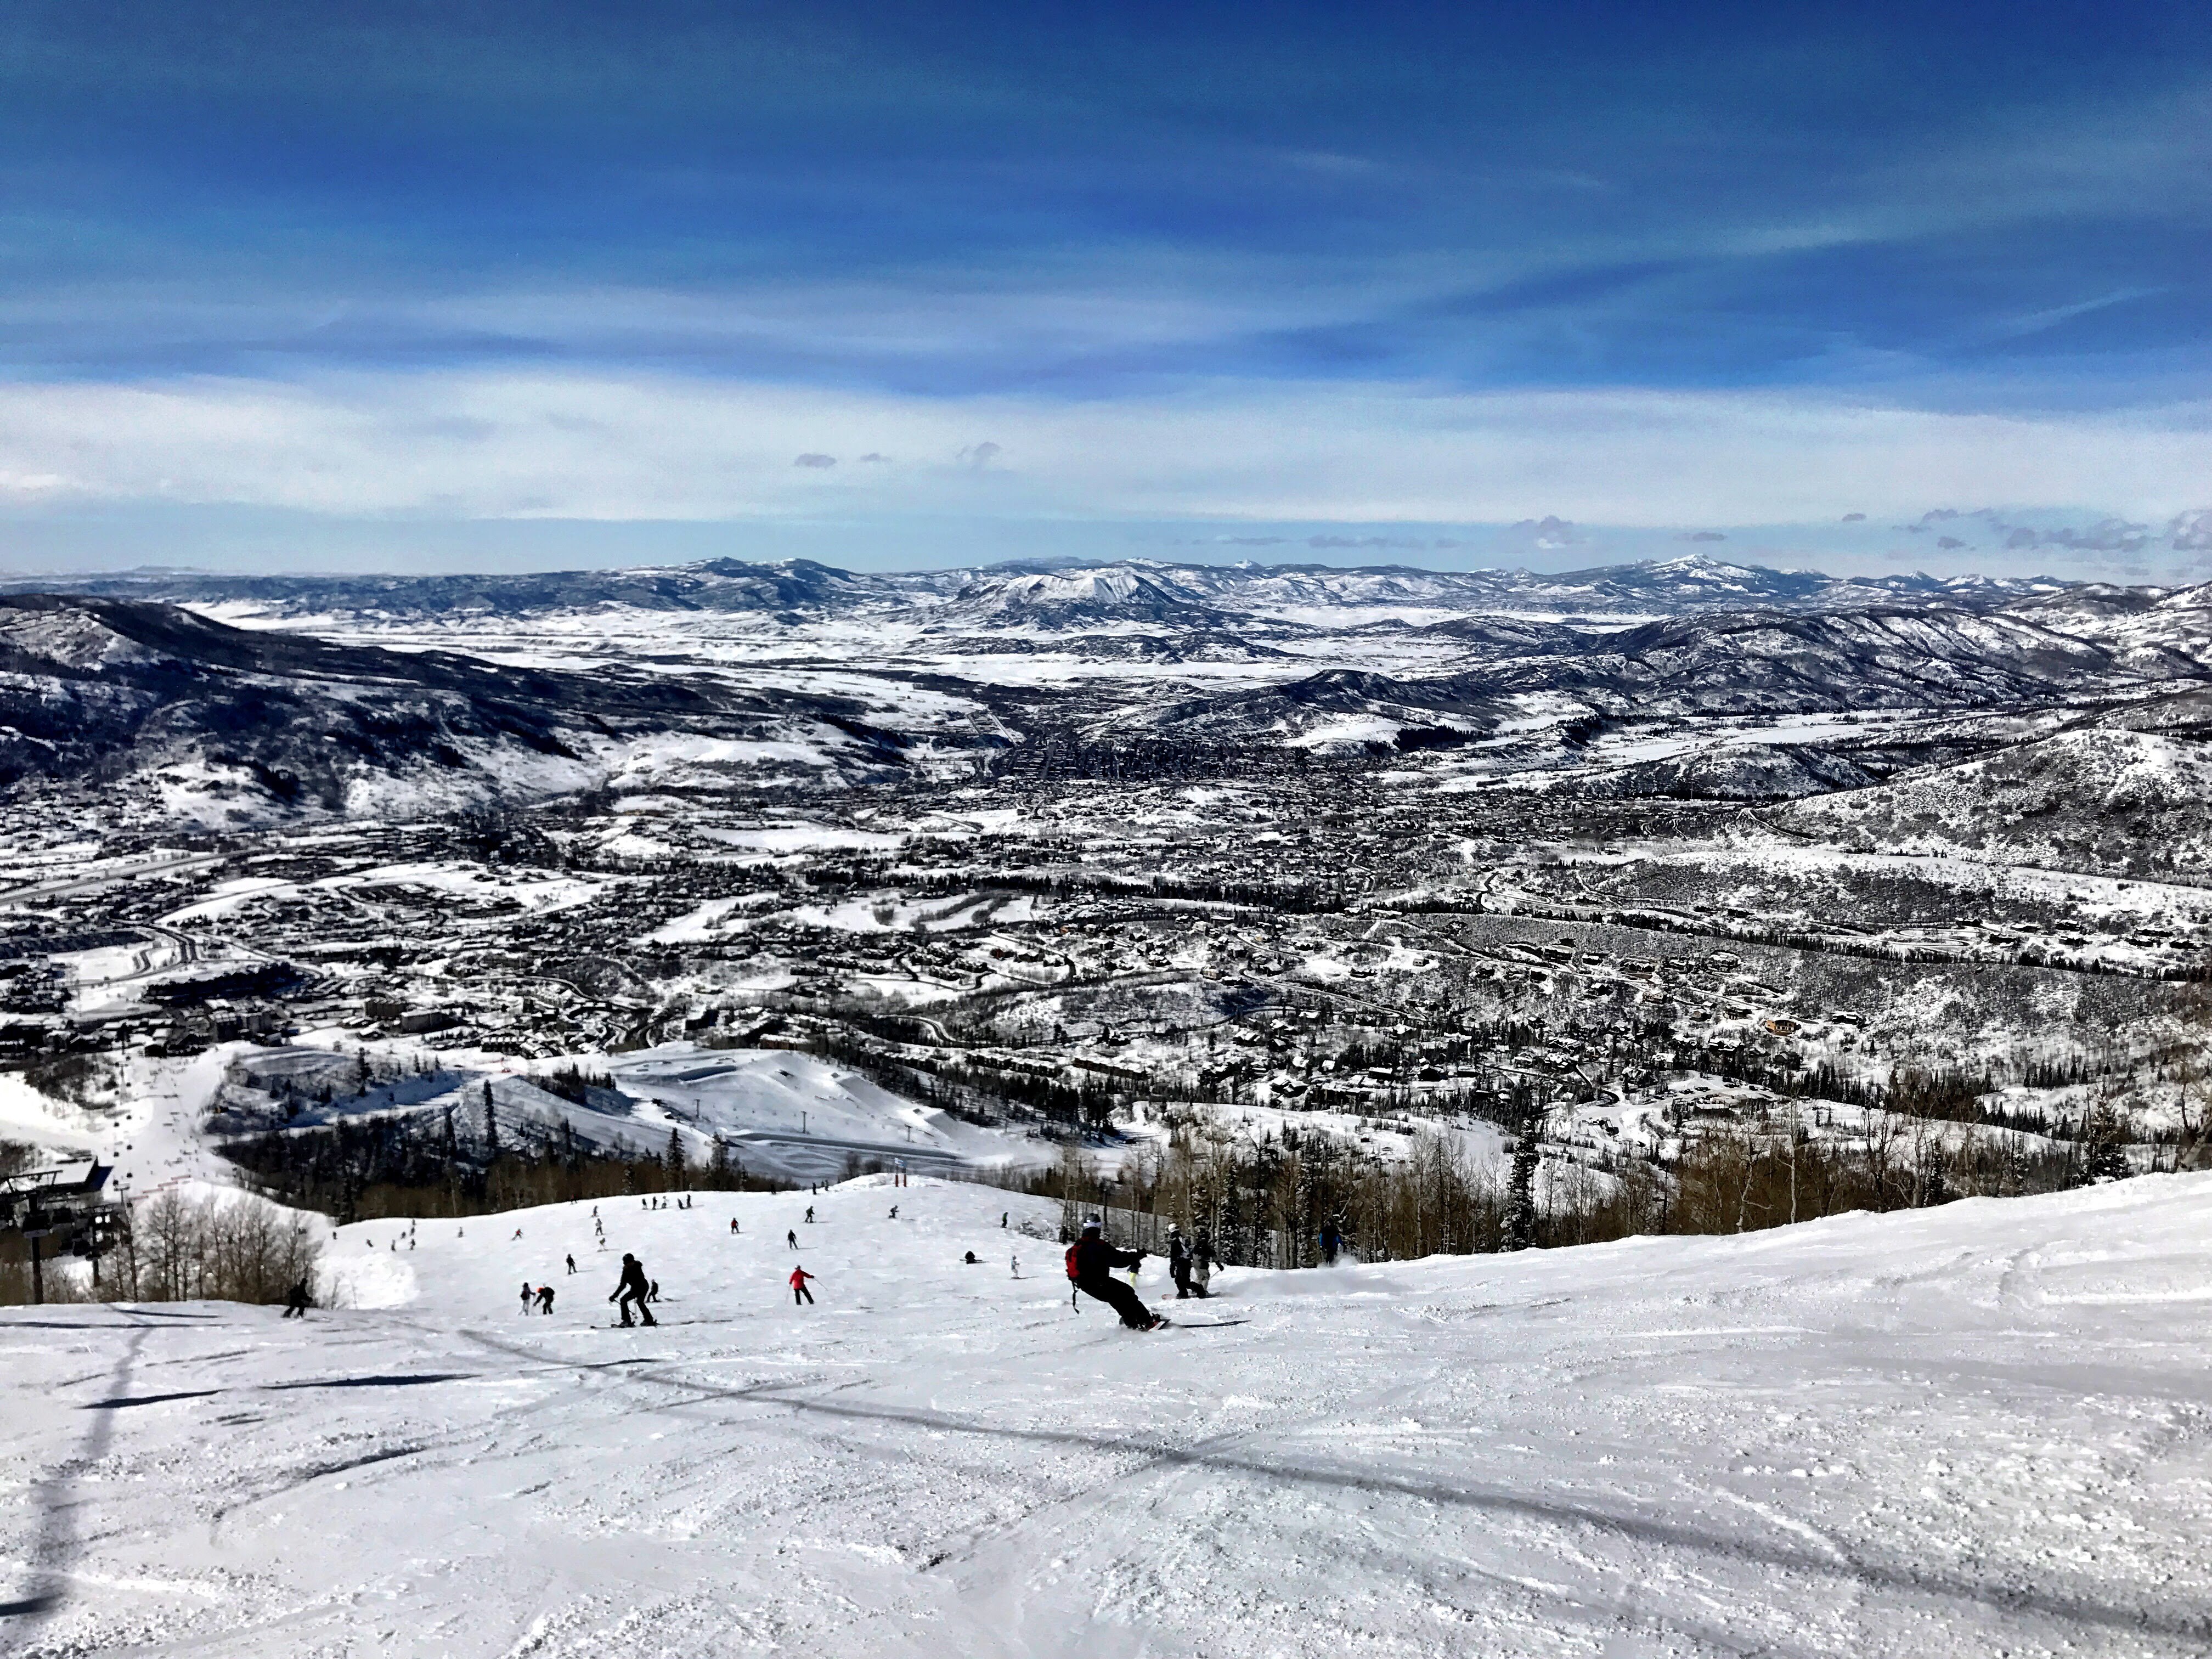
{"type": "Point", "coordinates": [484, 283]}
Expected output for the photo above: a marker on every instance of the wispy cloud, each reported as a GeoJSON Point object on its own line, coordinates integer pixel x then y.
{"type": "Point", "coordinates": [1330, 268]}
{"type": "Point", "coordinates": [669, 447]}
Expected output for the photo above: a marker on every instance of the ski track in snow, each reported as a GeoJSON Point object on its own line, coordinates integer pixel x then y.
{"type": "Point", "coordinates": [1976, 1430]}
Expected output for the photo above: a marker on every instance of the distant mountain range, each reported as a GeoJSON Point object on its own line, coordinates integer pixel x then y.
{"type": "Point", "coordinates": [1056, 596]}
{"type": "Point", "coordinates": [1690, 679]}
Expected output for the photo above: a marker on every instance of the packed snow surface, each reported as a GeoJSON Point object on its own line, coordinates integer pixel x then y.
{"type": "Point", "coordinates": [1979, 1430]}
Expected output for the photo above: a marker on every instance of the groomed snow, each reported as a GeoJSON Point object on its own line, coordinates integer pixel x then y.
{"type": "Point", "coordinates": [1980, 1430]}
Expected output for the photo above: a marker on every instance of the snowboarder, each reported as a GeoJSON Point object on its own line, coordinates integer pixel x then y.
{"type": "Point", "coordinates": [529, 1295]}
{"type": "Point", "coordinates": [798, 1292]}
{"type": "Point", "coordinates": [1016, 1261]}
{"type": "Point", "coordinates": [545, 1300]}
{"type": "Point", "coordinates": [1179, 1262]}
{"type": "Point", "coordinates": [1002, 1219]}
{"type": "Point", "coordinates": [809, 1215]}
{"type": "Point", "coordinates": [652, 1291]}
{"type": "Point", "coordinates": [572, 1264]}
{"type": "Point", "coordinates": [1090, 1264]}
{"type": "Point", "coordinates": [1331, 1242]}
{"type": "Point", "coordinates": [733, 1224]}
{"type": "Point", "coordinates": [296, 1304]}
{"type": "Point", "coordinates": [791, 1237]}
{"type": "Point", "coordinates": [895, 1212]}
{"type": "Point", "coordinates": [969, 1260]}
{"type": "Point", "coordinates": [1202, 1266]}
{"type": "Point", "coordinates": [633, 1287]}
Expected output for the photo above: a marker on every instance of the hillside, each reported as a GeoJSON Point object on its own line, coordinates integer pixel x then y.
{"type": "Point", "coordinates": [184, 719]}
{"type": "Point", "coordinates": [782, 1116]}
{"type": "Point", "coordinates": [2136, 802]}
{"type": "Point", "coordinates": [1974, 1431]}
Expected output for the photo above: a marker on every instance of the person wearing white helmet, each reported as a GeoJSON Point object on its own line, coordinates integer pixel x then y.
{"type": "Point", "coordinates": [1090, 1264]}
{"type": "Point", "coordinates": [1180, 1262]}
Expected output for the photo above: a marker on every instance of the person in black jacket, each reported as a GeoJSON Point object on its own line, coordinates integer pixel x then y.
{"type": "Point", "coordinates": [1092, 1264]}
{"type": "Point", "coordinates": [634, 1287]}
{"type": "Point", "coordinates": [1179, 1265]}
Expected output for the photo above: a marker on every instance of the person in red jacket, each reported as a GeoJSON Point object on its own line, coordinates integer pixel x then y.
{"type": "Point", "coordinates": [798, 1292]}
{"type": "Point", "coordinates": [1090, 1264]}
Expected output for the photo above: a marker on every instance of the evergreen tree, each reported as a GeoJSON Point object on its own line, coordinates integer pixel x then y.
{"type": "Point", "coordinates": [2103, 1146]}
{"type": "Point", "coordinates": [491, 1127]}
{"type": "Point", "coordinates": [1520, 1193]}
{"type": "Point", "coordinates": [674, 1157]}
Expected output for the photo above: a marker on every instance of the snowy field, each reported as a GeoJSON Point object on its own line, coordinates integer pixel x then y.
{"type": "Point", "coordinates": [1979, 1430]}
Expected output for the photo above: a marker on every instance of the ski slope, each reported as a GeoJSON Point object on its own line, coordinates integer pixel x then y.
{"type": "Point", "coordinates": [1980, 1430]}
{"type": "Point", "coordinates": [787, 1116]}
{"type": "Point", "coordinates": [799, 1118]}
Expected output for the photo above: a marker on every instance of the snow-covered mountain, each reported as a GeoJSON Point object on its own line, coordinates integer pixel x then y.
{"type": "Point", "coordinates": [197, 721]}
{"type": "Point", "coordinates": [1058, 596]}
{"type": "Point", "coordinates": [2093, 798]}
{"type": "Point", "coordinates": [406, 695]}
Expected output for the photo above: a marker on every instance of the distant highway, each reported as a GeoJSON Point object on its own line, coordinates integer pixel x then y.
{"type": "Point", "coordinates": [85, 883]}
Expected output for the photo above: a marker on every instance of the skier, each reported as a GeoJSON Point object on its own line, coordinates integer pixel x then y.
{"type": "Point", "coordinates": [545, 1300]}
{"type": "Point", "coordinates": [733, 1224]}
{"type": "Point", "coordinates": [652, 1291]}
{"type": "Point", "coordinates": [1331, 1242]}
{"type": "Point", "coordinates": [1202, 1266]}
{"type": "Point", "coordinates": [1090, 1264]}
{"type": "Point", "coordinates": [809, 1215]}
{"type": "Point", "coordinates": [518, 1233]}
{"type": "Point", "coordinates": [1179, 1262]}
{"type": "Point", "coordinates": [798, 1292]}
{"type": "Point", "coordinates": [572, 1264]}
{"type": "Point", "coordinates": [529, 1295]}
{"type": "Point", "coordinates": [791, 1237]}
{"type": "Point", "coordinates": [296, 1304]}
{"type": "Point", "coordinates": [633, 1287]}
{"type": "Point", "coordinates": [1002, 1219]}
{"type": "Point", "coordinates": [895, 1212]}
{"type": "Point", "coordinates": [969, 1260]}
{"type": "Point", "coordinates": [1016, 1261]}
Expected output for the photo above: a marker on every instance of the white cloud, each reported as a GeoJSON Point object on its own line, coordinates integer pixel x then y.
{"type": "Point", "coordinates": [508, 445]}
